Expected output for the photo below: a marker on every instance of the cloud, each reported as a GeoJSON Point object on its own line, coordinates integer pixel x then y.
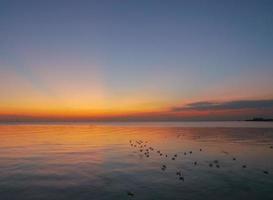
{"type": "Point", "coordinates": [229, 105]}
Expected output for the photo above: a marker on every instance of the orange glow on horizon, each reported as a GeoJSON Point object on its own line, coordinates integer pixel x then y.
{"type": "Point", "coordinates": [45, 95]}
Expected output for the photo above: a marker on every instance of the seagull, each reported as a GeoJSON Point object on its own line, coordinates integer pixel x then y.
{"type": "Point", "coordinates": [265, 172]}
{"type": "Point", "coordinates": [130, 194]}
{"type": "Point", "coordinates": [181, 178]}
{"type": "Point", "coordinates": [215, 161]}
{"type": "Point", "coordinates": [163, 167]}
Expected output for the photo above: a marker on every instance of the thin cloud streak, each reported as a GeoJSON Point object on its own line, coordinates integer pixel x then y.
{"type": "Point", "coordinates": [230, 105]}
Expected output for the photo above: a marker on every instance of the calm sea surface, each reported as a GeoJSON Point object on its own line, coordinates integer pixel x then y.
{"type": "Point", "coordinates": [190, 160]}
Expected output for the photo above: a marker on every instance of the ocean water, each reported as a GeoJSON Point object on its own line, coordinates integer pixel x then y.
{"type": "Point", "coordinates": [109, 161]}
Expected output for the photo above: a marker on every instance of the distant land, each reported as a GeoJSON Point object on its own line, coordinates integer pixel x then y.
{"type": "Point", "coordinates": [259, 119]}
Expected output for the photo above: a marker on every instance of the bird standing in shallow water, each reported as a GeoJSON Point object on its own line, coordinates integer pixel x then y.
{"type": "Point", "coordinates": [163, 168]}
{"type": "Point", "coordinates": [215, 161]}
{"type": "Point", "coordinates": [180, 175]}
{"type": "Point", "coordinates": [130, 194]}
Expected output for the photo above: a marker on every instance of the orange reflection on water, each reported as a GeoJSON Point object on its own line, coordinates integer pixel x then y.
{"type": "Point", "coordinates": [78, 143]}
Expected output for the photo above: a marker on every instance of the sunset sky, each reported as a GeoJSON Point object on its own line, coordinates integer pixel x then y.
{"type": "Point", "coordinates": [136, 60]}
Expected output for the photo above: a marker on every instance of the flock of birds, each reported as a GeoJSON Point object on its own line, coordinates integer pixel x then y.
{"type": "Point", "coordinates": [146, 150]}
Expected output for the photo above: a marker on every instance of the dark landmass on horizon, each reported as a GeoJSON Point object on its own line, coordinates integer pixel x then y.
{"type": "Point", "coordinates": [127, 119]}
{"type": "Point", "coordinates": [259, 119]}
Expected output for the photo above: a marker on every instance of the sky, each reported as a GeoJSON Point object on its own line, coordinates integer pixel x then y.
{"type": "Point", "coordinates": [136, 60]}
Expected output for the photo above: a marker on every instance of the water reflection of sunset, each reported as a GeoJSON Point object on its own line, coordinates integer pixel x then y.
{"type": "Point", "coordinates": [65, 139]}
{"type": "Point", "coordinates": [95, 158]}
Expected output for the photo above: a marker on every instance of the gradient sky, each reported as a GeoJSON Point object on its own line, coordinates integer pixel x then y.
{"type": "Point", "coordinates": [150, 60]}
